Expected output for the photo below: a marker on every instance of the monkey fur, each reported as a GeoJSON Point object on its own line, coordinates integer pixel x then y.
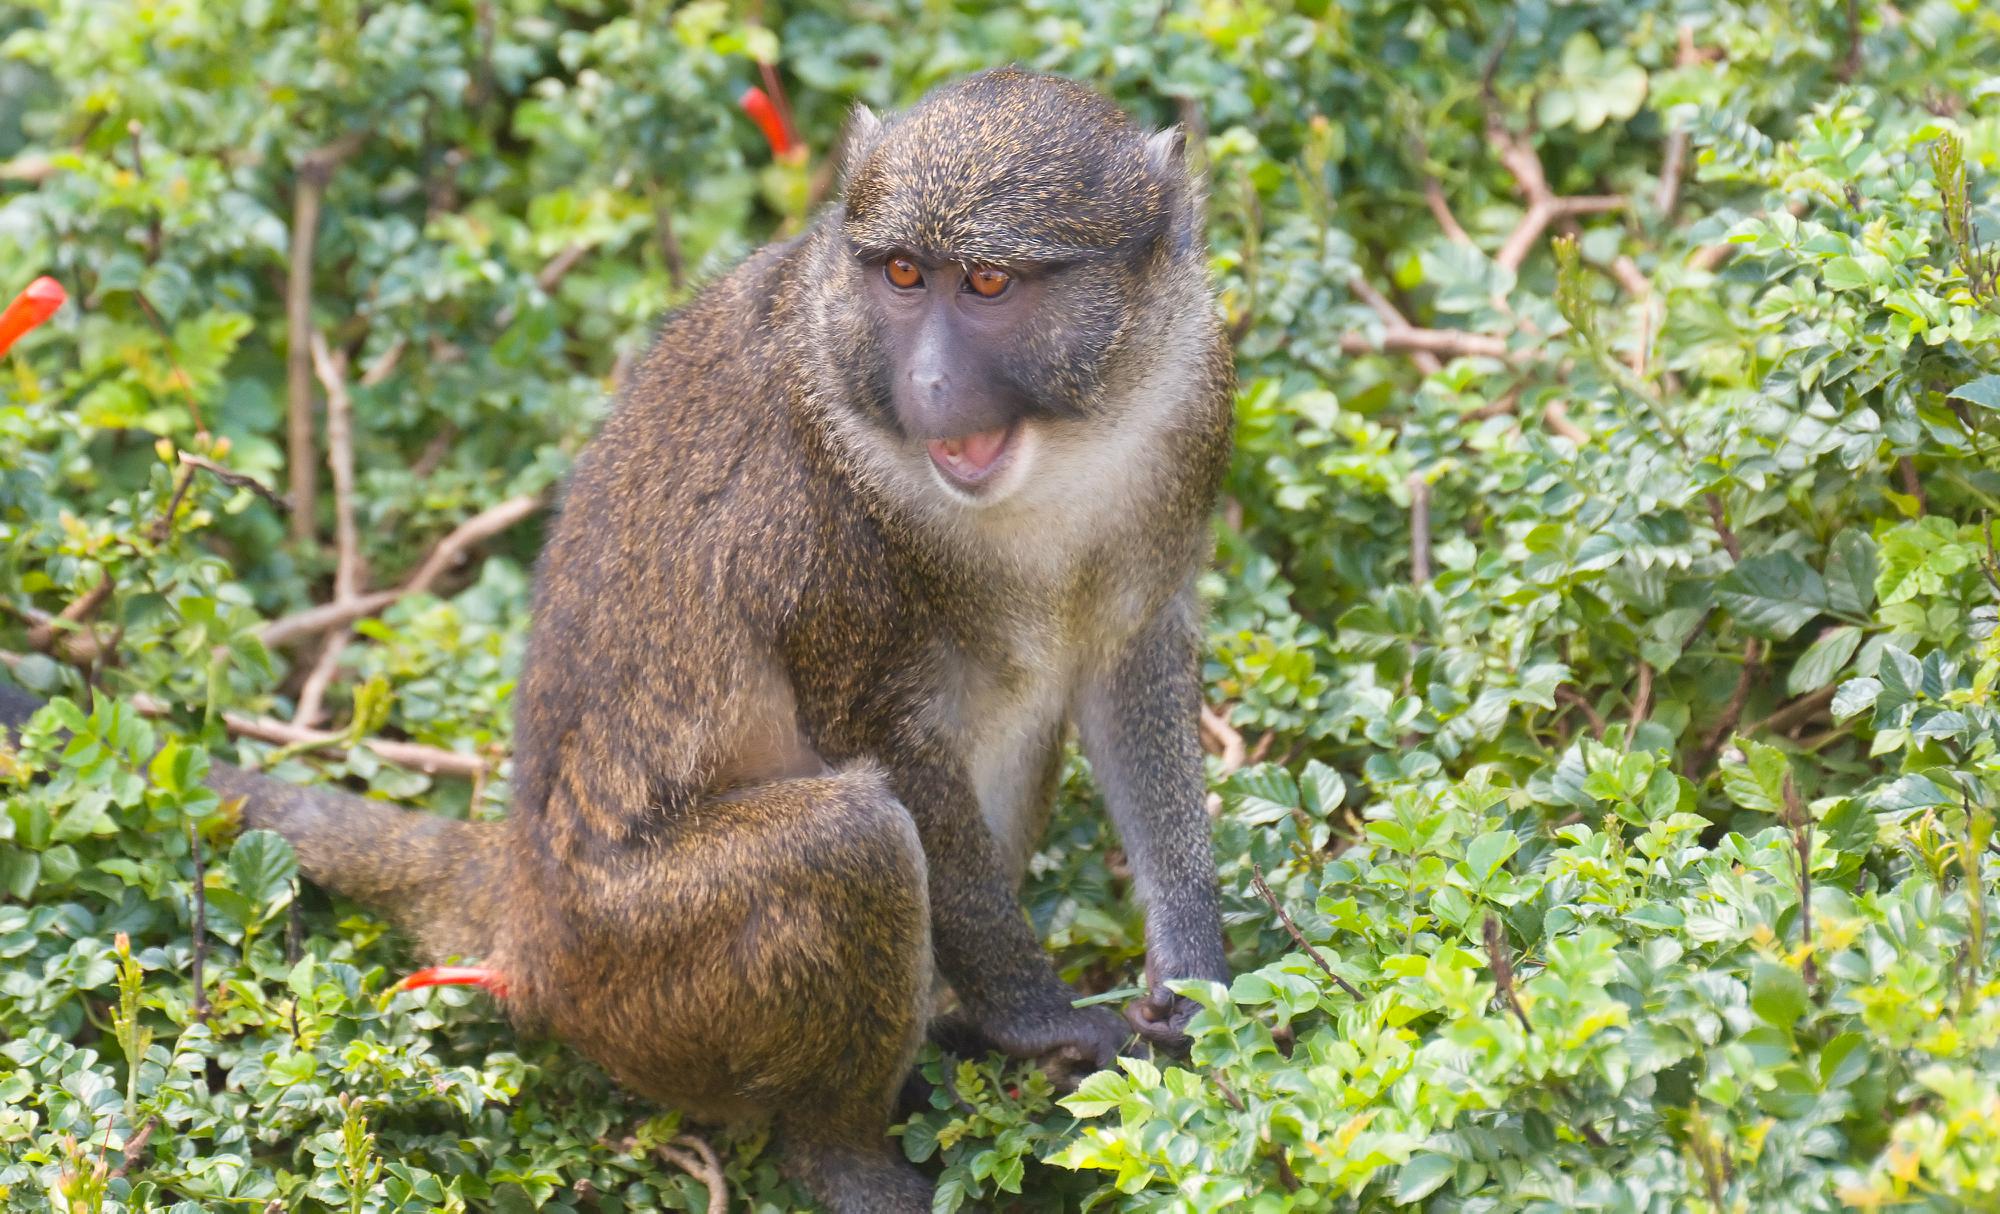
{"type": "Point", "coordinates": [791, 717]}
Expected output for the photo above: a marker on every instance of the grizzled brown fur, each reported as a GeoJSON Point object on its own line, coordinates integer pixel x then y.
{"type": "Point", "coordinates": [792, 714]}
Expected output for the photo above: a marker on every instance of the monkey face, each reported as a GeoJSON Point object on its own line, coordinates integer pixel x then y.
{"type": "Point", "coordinates": [975, 359]}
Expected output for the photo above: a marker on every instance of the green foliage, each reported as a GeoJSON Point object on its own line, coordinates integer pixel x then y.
{"type": "Point", "coordinates": [1617, 656]}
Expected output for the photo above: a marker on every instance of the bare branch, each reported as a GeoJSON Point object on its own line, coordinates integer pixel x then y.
{"type": "Point", "coordinates": [1420, 528]}
{"type": "Point", "coordinates": [315, 168]}
{"type": "Point", "coordinates": [1298, 937]}
{"type": "Point", "coordinates": [1912, 485]}
{"type": "Point", "coordinates": [1556, 417]}
{"type": "Point", "coordinates": [237, 479]}
{"type": "Point", "coordinates": [1545, 206]}
{"type": "Point", "coordinates": [1216, 728]}
{"type": "Point", "coordinates": [43, 636]}
{"type": "Point", "coordinates": [1426, 361]}
{"type": "Point", "coordinates": [29, 168]}
{"type": "Point", "coordinates": [1449, 343]}
{"type": "Point", "coordinates": [1790, 716]}
{"type": "Point", "coordinates": [331, 367]}
{"type": "Point", "coordinates": [1441, 211]}
{"type": "Point", "coordinates": [1732, 711]}
{"type": "Point", "coordinates": [1673, 164]}
{"type": "Point", "coordinates": [695, 1157]}
{"type": "Point", "coordinates": [384, 364]}
{"type": "Point", "coordinates": [430, 760]}
{"type": "Point", "coordinates": [482, 526]}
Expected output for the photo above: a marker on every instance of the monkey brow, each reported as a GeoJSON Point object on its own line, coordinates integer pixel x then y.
{"type": "Point", "coordinates": [1040, 261]}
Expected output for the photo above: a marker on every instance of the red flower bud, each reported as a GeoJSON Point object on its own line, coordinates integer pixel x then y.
{"type": "Point", "coordinates": [456, 975]}
{"type": "Point", "coordinates": [30, 308]}
{"type": "Point", "coordinates": [757, 103]}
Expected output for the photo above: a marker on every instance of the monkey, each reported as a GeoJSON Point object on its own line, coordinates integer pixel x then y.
{"type": "Point", "coordinates": [882, 517]}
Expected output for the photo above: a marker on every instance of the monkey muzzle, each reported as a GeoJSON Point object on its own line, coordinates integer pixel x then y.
{"type": "Point", "coordinates": [970, 461]}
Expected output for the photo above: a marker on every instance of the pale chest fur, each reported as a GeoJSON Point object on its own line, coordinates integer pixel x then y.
{"type": "Point", "coordinates": [1008, 694]}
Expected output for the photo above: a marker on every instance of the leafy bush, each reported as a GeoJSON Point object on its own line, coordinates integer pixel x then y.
{"type": "Point", "coordinates": [1604, 624]}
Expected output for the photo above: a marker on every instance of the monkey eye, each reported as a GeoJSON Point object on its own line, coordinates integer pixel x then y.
{"type": "Point", "coordinates": [902, 273]}
{"type": "Point", "coordinates": [989, 283]}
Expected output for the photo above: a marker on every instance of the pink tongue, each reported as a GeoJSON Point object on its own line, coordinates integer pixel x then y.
{"type": "Point", "coordinates": [972, 453]}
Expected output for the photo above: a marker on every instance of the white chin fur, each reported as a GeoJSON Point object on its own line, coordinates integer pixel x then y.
{"type": "Point", "coordinates": [1020, 460]}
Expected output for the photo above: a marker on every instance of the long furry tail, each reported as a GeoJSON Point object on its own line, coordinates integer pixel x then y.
{"type": "Point", "coordinates": [439, 879]}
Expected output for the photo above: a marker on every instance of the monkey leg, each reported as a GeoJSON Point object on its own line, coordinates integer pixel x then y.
{"type": "Point", "coordinates": [769, 956]}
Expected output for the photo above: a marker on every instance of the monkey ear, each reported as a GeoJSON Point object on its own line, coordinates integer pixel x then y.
{"type": "Point", "coordinates": [864, 128]}
{"type": "Point", "coordinates": [1166, 151]}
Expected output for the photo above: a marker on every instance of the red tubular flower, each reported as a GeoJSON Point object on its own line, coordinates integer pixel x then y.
{"type": "Point", "coordinates": [456, 975]}
{"type": "Point", "coordinates": [757, 103]}
{"type": "Point", "coordinates": [30, 308]}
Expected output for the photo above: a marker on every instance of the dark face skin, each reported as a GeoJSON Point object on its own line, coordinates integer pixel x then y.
{"type": "Point", "coordinates": [948, 331]}
{"type": "Point", "coordinates": [972, 355]}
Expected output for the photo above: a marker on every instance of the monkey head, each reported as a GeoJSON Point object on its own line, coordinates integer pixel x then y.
{"type": "Point", "coordinates": [999, 242]}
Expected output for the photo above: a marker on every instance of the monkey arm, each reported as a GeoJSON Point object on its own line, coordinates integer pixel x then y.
{"type": "Point", "coordinates": [1137, 721]}
{"type": "Point", "coordinates": [982, 940]}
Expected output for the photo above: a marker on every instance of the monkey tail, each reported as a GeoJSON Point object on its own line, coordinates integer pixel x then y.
{"type": "Point", "coordinates": [437, 878]}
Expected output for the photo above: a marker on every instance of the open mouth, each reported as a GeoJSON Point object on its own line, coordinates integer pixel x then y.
{"type": "Point", "coordinates": [971, 460]}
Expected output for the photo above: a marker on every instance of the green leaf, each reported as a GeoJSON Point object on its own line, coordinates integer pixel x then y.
{"type": "Point", "coordinates": [1854, 696]}
{"type": "Point", "coordinates": [1984, 392]}
{"type": "Point", "coordinates": [1098, 1094]}
{"type": "Point", "coordinates": [1758, 782]}
{"type": "Point", "coordinates": [1850, 572]}
{"type": "Point", "coordinates": [1845, 274]}
{"type": "Point", "coordinates": [1421, 1177]}
{"type": "Point", "coordinates": [261, 867]}
{"type": "Point", "coordinates": [1488, 852]}
{"type": "Point", "coordinates": [1773, 595]}
{"type": "Point", "coordinates": [1778, 994]}
{"type": "Point", "coordinates": [1825, 659]}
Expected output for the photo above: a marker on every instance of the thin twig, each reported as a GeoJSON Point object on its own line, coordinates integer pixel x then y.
{"type": "Point", "coordinates": [1730, 543]}
{"type": "Point", "coordinates": [1298, 937]}
{"type": "Point", "coordinates": [698, 1160]}
{"type": "Point", "coordinates": [200, 896]}
{"type": "Point", "coordinates": [1556, 417]}
{"type": "Point", "coordinates": [384, 364]}
{"type": "Point", "coordinates": [1448, 343]}
{"type": "Point", "coordinates": [1912, 486]}
{"type": "Point", "coordinates": [482, 526]}
{"type": "Point", "coordinates": [1228, 742]}
{"type": "Point", "coordinates": [1800, 822]}
{"type": "Point", "coordinates": [1441, 211]}
{"type": "Point", "coordinates": [1425, 361]}
{"type": "Point", "coordinates": [1642, 702]}
{"type": "Point", "coordinates": [315, 169]}
{"type": "Point", "coordinates": [1575, 699]}
{"type": "Point", "coordinates": [431, 760]}
{"type": "Point", "coordinates": [1667, 195]}
{"type": "Point", "coordinates": [1517, 154]}
{"type": "Point", "coordinates": [1732, 711]}
{"type": "Point", "coordinates": [1420, 528]}
{"type": "Point", "coordinates": [236, 479]}
{"type": "Point", "coordinates": [331, 368]}
{"type": "Point", "coordinates": [1501, 960]}
{"type": "Point", "coordinates": [43, 636]}
{"type": "Point", "coordinates": [1790, 716]}
{"type": "Point", "coordinates": [134, 1150]}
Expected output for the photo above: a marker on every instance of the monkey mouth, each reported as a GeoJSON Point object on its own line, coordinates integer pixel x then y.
{"type": "Point", "coordinates": [969, 461]}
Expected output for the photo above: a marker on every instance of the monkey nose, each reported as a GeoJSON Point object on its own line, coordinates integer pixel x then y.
{"type": "Point", "coordinates": [930, 383]}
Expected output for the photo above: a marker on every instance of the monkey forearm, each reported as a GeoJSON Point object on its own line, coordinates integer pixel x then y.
{"type": "Point", "coordinates": [1137, 722]}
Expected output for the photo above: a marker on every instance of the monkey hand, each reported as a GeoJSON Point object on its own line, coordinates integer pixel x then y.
{"type": "Point", "coordinates": [1161, 1016]}
{"type": "Point", "coordinates": [1070, 1042]}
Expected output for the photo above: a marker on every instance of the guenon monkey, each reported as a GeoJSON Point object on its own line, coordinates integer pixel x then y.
{"type": "Point", "coordinates": [881, 515]}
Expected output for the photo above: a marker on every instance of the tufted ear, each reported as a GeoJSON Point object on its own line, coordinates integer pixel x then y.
{"type": "Point", "coordinates": [1187, 201]}
{"type": "Point", "coordinates": [1166, 152]}
{"type": "Point", "coordinates": [864, 128]}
